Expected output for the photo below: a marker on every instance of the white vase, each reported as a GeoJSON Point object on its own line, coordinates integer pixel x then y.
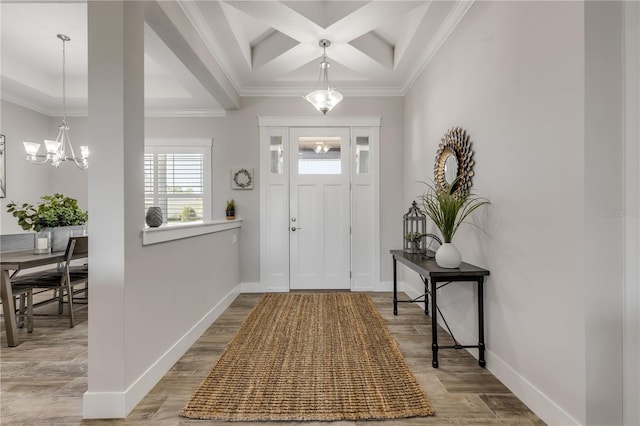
{"type": "Point", "coordinates": [60, 235]}
{"type": "Point", "coordinates": [448, 256]}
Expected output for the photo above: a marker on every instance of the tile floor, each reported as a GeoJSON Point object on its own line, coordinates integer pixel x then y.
{"type": "Point", "coordinates": [43, 379]}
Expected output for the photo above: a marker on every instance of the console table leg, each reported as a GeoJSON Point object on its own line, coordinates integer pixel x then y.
{"type": "Point", "coordinates": [434, 325]}
{"type": "Point", "coordinates": [426, 294]}
{"type": "Point", "coordinates": [395, 287]}
{"type": "Point", "coordinates": [434, 349]}
{"type": "Point", "coordinates": [481, 361]}
{"type": "Point", "coordinates": [481, 347]}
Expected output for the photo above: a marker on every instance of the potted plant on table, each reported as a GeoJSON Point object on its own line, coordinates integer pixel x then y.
{"type": "Point", "coordinates": [56, 213]}
{"type": "Point", "coordinates": [448, 208]}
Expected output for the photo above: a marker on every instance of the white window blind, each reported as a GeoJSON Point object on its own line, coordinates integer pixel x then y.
{"type": "Point", "coordinates": [177, 179]}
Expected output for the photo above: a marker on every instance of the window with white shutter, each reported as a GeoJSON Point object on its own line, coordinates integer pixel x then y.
{"type": "Point", "coordinates": [177, 179]}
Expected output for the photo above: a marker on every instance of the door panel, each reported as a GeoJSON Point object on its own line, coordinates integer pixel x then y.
{"type": "Point", "coordinates": [274, 211]}
{"type": "Point", "coordinates": [319, 256]}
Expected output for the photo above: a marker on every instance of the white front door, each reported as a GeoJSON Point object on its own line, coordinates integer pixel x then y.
{"type": "Point", "coordinates": [319, 209]}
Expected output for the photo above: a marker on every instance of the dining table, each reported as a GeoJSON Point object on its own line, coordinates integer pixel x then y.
{"type": "Point", "coordinates": [12, 262]}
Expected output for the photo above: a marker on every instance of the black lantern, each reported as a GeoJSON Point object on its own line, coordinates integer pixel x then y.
{"type": "Point", "coordinates": [414, 229]}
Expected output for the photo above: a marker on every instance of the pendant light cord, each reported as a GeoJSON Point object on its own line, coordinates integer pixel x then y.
{"type": "Point", "coordinates": [64, 39]}
{"type": "Point", "coordinates": [64, 83]}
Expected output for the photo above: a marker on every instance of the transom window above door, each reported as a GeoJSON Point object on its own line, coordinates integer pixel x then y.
{"type": "Point", "coordinates": [319, 155]}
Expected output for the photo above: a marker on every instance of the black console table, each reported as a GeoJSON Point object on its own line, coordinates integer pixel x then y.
{"type": "Point", "coordinates": [429, 271]}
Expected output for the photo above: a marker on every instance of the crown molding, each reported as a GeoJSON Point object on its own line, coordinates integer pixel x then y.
{"type": "Point", "coordinates": [184, 112]}
{"type": "Point", "coordinates": [151, 112]}
{"type": "Point", "coordinates": [43, 109]}
{"type": "Point", "coordinates": [319, 121]}
{"type": "Point", "coordinates": [301, 91]}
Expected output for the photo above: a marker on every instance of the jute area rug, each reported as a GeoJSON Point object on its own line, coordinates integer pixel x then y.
{"type": "Point", "coordinates": [308, 356]}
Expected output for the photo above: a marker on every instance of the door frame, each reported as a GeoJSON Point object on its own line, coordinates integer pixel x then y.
{"type": "Point", "coordinates": [274, 227]}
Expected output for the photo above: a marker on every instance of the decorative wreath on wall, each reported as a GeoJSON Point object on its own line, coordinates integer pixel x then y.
{"type": "Point", "coordinates": [454, 152]}
{"type": "Point", "coordinates": [242, 179]}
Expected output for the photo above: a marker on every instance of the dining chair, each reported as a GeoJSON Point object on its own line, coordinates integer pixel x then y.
{"type": "Point", "coordinates": [61, 280]}
{"type": "Point", "coordinates": [24, 307]}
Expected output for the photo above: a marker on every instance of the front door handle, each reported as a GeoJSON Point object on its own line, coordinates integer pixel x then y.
{"type": "Point", "coordinates": [294, 229]}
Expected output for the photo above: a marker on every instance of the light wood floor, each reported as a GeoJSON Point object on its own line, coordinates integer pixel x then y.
{"type": "Point", "coordinates": [43, 379]}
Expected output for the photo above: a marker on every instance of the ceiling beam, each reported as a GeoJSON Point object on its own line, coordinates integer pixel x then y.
{"type": "Point", "coordinates": [282, 18]}
{"type": "Point", "coordinates": [270, 48]}
{"type": "Point", "coordinates": [170, 23]}
{"type": "Point", "coordinates": [368, 18]}
{"type": "Point", "coordinates": [375, 47]}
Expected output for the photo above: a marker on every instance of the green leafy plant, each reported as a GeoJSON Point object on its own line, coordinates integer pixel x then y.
{"type": "Point", "coordinates": [55, 210]}
{"type": "Point", "coordinates": [188, 214]}
{"type": "Point", "coordinates": [231, 207]}
{"type": "Point", "coordinates": [448, 208]}
{"type": "Point", "coordinates": [414, 238]}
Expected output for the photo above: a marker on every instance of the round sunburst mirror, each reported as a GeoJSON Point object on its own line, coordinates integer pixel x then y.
{"type": "Point", "coordinates": [454, 161]}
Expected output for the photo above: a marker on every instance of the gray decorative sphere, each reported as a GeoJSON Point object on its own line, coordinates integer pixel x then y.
{"type": "Point", "coordinates": [154, 217]}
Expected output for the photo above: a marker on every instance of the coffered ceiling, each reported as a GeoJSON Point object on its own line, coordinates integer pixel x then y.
{"type": "Point", "coordinates": [262, 48]}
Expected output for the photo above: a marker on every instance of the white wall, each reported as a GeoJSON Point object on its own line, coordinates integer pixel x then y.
{"type": "Point", "coordinates": [242, 150]}
{"type": "Point", "coordinates": [512, 75]}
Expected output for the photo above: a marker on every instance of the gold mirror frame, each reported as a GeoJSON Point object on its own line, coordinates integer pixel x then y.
{"type": "Point", "coordinates": [455, 142]}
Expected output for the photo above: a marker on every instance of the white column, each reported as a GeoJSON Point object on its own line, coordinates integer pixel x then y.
{"type": "Point", "coordinates": [631, 331]}
{"type": "Point", "coordinates": [604, 206]}
{"type": "Point", "coordinates": [116, 139]}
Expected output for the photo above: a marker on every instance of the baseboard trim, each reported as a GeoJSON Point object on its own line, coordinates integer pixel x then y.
{"type": "Point", "coordinates": [251, 288]}
{"type": "Point", "coordinates": [544, 407]}
{"type": "Point", "coordinates": [384, 286]}
{"type": "Point", "coordinates": [115, 405]}
{"type": "Point", "coordinates": [534, 398]}
{"type": "Point", "coordinates": [104, 405]}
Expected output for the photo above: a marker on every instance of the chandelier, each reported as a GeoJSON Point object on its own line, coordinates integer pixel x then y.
{"type": "Point", "coordinates": [326, 98]}
{"type": "Point", "coordinates": [56, 150]}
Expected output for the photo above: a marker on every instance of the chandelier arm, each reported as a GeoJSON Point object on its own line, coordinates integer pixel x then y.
{"type": "Point", "coordinates": [82, 164]}
{"type": "Point", "coordinates": [66, 139]}
{"type": "Point", "coordinates": [61, 139]}
{"type": "Point", "coordinates": [319, 79]}
{"type": "Point", "coordinates": [32, 159]}
{"type": "Point", "coordinates": [326, 74]}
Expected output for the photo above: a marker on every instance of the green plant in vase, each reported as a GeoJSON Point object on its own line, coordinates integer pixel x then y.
{"type": "Point", "coordinates": [449, 208]}
{"type": "Point", "coordinates": [51, 219]}
{"type": "Point", "coordinates": [230, 211]}
{"type": "Point", "coordinates": [54, 211]}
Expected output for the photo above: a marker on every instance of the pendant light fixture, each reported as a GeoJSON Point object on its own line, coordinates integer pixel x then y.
{"type": "Point", "coordinates": [326, 98]}
{"type": "Point", "coordinates": [56, 150]}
